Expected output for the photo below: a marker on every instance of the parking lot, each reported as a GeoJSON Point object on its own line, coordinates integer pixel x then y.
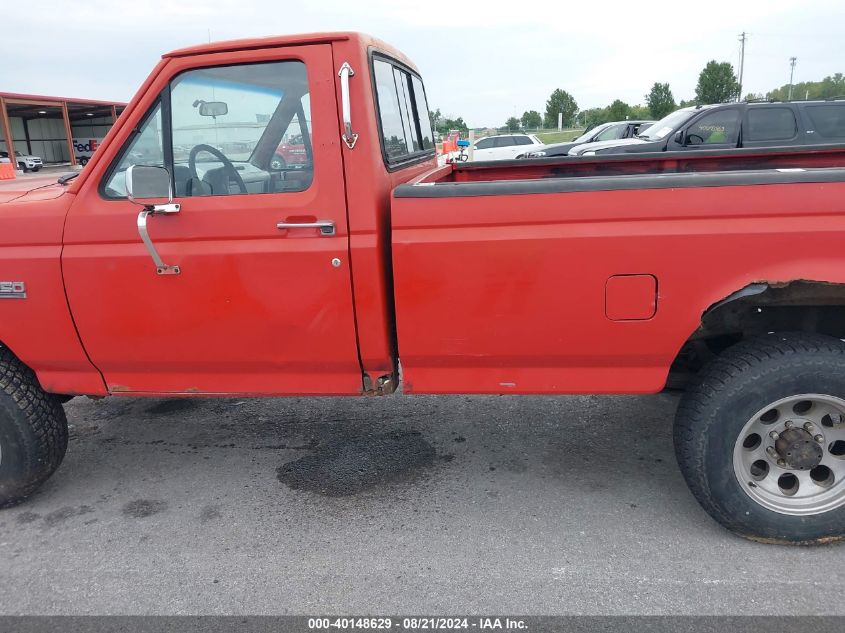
{"type": "Point", "coordinates": [400, 504]}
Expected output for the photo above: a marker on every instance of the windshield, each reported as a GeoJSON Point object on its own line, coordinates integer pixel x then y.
{"type": "Point", "coordinates": [666, 125]}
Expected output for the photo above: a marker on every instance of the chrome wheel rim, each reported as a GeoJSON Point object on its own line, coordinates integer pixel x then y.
{"type": "Point", "coordinates": [790, 456]}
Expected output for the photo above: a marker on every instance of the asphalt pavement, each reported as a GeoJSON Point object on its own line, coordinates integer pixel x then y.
{"type": "Point", "coordinates": [396, 505]}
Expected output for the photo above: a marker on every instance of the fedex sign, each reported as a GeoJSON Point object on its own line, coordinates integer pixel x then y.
{"type": "Point", "coordinates": [88, 147]}
{"type": "Point", "coordinates": [85, 148]}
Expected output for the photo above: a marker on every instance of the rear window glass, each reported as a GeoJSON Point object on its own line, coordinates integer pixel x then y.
{"type": "Point", "coordinates": [427, 139]}
{"type": "Point", "coordinates": [392, 124]}
{"type": "Point", "coordinates": [403, 113]}
{"type": "Point", "coordinates": [770, 124]}
{"type": "Point", "coordinates": [827, 120]}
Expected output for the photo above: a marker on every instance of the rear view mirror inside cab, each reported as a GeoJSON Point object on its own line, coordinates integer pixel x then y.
{"type": "Point", "coordinates": [212, 108]}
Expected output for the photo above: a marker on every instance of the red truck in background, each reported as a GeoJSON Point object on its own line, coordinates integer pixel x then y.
{"type": "Point", "coordinates": [211, 270]}
{"type": "Point", "coordinates": [291, 153]}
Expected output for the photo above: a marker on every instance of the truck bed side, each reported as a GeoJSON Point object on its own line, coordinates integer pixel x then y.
{"type": "Point", "coordinates": [558, 282]}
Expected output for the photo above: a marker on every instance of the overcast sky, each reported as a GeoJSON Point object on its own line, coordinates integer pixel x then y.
{"type": "Point", "coordinates": [481, 60]}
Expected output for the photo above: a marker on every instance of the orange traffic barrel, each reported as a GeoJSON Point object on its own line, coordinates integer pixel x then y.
{"type": "Point", "coordinates": [8, 171]}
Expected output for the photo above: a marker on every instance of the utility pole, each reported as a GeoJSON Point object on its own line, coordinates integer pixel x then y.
{"type": "Point", "coordinates": [742, 37]}
{"type": "Point", "coordinates": [792, 61]}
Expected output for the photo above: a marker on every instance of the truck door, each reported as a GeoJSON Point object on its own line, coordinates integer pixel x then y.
{"type": "Point", "coordinates": [255, 294]}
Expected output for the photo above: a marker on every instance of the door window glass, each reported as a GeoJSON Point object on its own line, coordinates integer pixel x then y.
{"type": "Point", "coordinates": [485, 143]}
{"type": "Point", "coordinates": [770, 124]}
{"type": "Point", "coordinates": [144, 148]}
{"type": "Point", "coordinates": [715, 128]}
{"type": "Point", "coordinates": [241, 129]}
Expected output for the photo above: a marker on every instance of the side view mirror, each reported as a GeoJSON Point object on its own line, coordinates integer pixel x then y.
{"type": "Point", "coordinates": [679, 137]}
{"type": "Point", "coordinates": [148, 185]}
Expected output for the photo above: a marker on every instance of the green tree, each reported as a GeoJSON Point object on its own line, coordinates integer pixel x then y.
{"type": "Point", "coordinates": [560, 101]}
{"type": "Point", "coordinates": [619, 110]}
{"type": "Point", "coordinates": [532, 119]}
{"type": "Point", "coordinates": [594, 116]}
{"type": "Point", "coordinates": [455, 124]}
{"type": "Point", "coordinates": [435, 118]}
{"type": "Point", "coordinates": [660, 101]}
{"type": "Point", "coordinates": [716, 84]}
{"type": "Point", "coordinates": [512, 124]}
{"type": "Point", "coordinates": [831, 86]}
{"type": "Point", "coordinates": [640, 112]}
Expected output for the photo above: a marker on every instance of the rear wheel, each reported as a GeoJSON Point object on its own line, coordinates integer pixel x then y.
{"type": "Point", "coordinates": [760, 438]}
{"type": "Point", "coordinates": [33, 431]}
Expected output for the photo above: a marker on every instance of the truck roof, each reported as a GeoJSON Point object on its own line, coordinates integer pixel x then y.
{"type": "Point", "coordinates": [290, 40]}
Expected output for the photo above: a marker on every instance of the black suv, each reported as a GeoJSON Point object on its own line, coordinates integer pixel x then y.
{"type": "Point", "coordinates": [730, 125]}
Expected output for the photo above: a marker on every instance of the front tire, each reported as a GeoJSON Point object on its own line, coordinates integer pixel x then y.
{"type": "Point", "coordinates": [22, 167]}
{"type": "Point", "coordinates": [33, 431]}
{"type": "Point", "coordinates": [760, 438]}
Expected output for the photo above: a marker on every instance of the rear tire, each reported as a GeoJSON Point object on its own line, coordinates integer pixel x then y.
{"type": "Point", "coordinates": [731, 415]}
{"type": "Point", "coordinates": [33, 431]}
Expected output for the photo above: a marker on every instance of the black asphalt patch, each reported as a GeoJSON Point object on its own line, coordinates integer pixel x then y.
{"type": "Point", "coordinates": [173, 405]}
{"type": "Point", "coordinates": [142, 508]}
{"type": "Point", "coordinates": [347, 466]}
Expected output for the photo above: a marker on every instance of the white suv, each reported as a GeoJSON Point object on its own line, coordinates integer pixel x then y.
{"type": "Point", "coordinates": [503, 146]}
{"type": "Point", "coordinates": [25, 161]}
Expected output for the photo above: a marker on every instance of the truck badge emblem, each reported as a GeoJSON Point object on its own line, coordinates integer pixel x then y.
{"type": "Point", "coordinates": [12, 290]}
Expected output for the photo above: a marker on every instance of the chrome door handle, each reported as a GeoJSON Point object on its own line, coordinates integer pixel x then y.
{"type": "Point", "coordinates": [326, 226]}
{"type": "Point", "coordinates": [349, 137]}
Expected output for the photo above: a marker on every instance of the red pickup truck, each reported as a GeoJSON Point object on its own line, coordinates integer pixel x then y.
{"type": "Point", "coordinates": [367, 269]}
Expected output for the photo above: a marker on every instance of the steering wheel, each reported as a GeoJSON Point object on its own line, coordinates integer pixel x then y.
{"type": "Point", "coordinates": [228, 167]}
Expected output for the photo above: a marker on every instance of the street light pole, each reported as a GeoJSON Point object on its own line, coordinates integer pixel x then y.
{"type": "Point", "coordinates": [742, 38]}
{"type": "Point", "coordinates": [792, 61]}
